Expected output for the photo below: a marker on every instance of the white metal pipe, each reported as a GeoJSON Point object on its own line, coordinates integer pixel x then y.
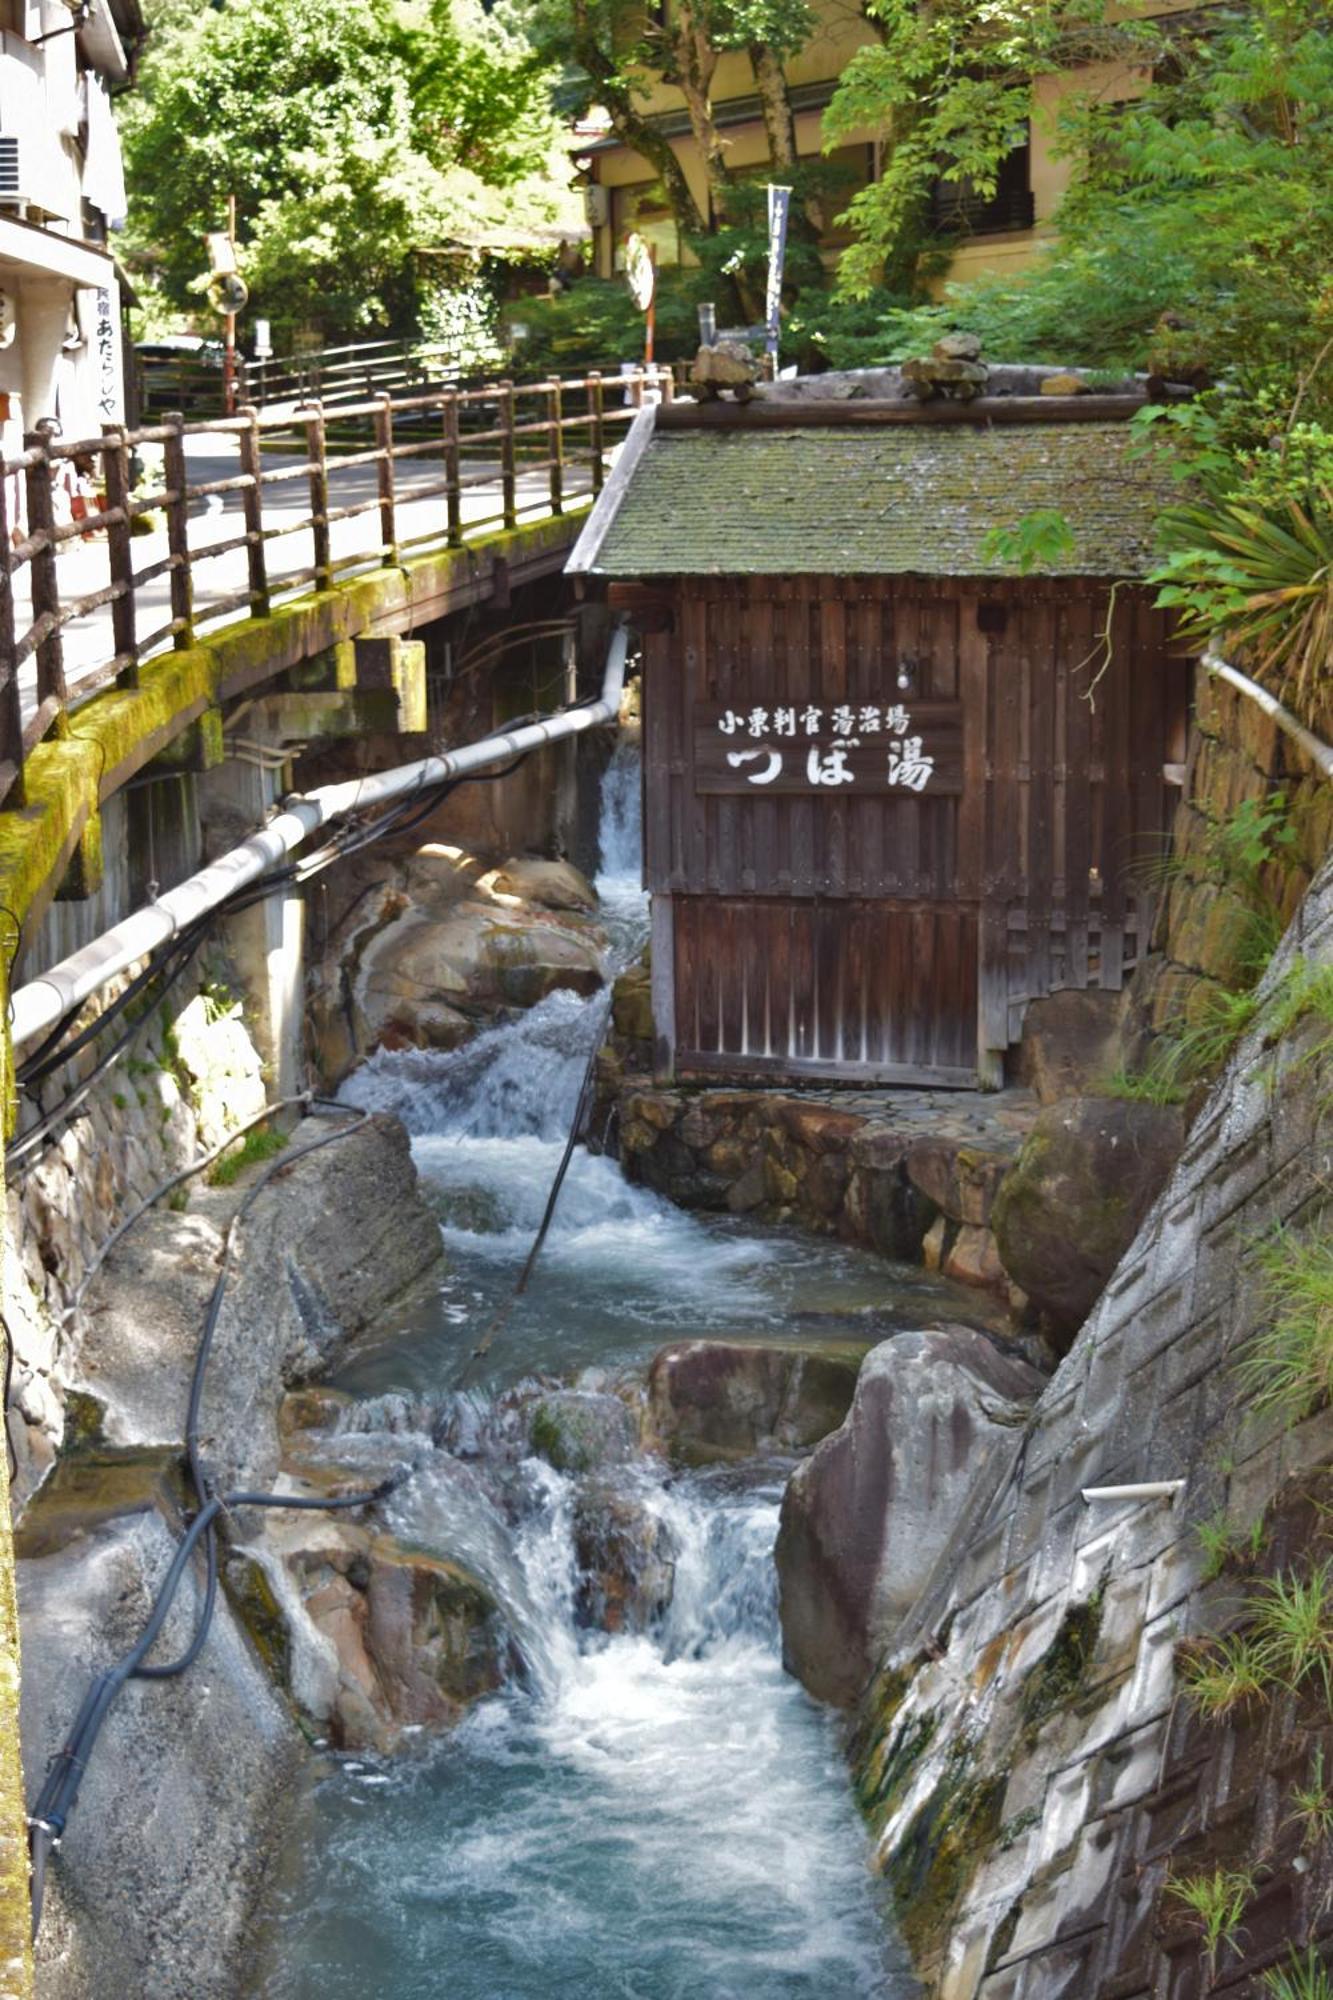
{"type": "Point", "coordinates": [41, 1003]}
{"type": "Point", "coordinates": [1150, 1489]}
{"type": "Point", "coordinates": [1319, 752]}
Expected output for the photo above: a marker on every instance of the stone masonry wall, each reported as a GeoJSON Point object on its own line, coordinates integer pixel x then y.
{"type": "Point", "coordinates": [186, 1079]}
{"type": "Point", "coordinates": [1028, 1766]}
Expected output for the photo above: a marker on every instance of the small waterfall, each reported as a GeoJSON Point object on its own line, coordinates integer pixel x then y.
{"type": "Point", "coordinates": [620, 828]}
{"type": "Point", "coordinates": [655, 1809]}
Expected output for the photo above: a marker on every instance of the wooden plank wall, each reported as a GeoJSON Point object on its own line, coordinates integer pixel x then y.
{"type": "Point", "coordinates": [1044, 860]}
{"type": "Point", "coordinates": [855, 990]}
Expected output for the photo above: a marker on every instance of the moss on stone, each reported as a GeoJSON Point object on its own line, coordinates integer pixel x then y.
{"type": "Point", "coordinates": [887, 1773]}
{"type": "Point", "coordinates": [554, 1436]}
{"type": "Point", "coordinates": [256, 1605]}
{"type": "Point", "coordinates": [938, 1856]}
{"type": "Point", "coordinates": [1054, 1683]}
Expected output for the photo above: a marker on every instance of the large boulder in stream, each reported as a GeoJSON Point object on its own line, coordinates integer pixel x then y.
{"type": "Point", "coordinates": [182, 1809]}
{"type": "Point", "coordinates": [370, 1639]}
{"type": "Point", "coordinates": [715, 1401]}
{"type": "Point", "coordinates": [1071, 1205]}
{"type": "Point", "coordinates": [426, 979]}
{"type": "Point", "coordinates": [336, 1238]}
{"type": "Point", "coordinates": [867, 1516]}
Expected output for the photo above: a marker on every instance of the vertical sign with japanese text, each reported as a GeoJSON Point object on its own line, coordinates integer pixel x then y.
{"type": "Point", "coordinates": [779, 200]}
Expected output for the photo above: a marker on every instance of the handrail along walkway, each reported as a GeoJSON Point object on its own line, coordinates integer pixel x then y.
{"type": "Point", "coordinates": [553, 435]}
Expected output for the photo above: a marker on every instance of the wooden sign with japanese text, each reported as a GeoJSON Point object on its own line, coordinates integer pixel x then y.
{"type": "Point", "coordinates": [897, 749]}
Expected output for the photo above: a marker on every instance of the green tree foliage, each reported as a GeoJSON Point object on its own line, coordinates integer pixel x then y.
{"type": "Point", "coordinates": [950, 87]}
{"type": "Point", "coordinates": [613, 53]}
{"type": "Point", "coordinates": [1210, 197]}
{"type": "Point", "coordinates": [353, 137]}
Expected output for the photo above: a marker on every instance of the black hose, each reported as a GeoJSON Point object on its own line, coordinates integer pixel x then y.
{"type": "Point", "coordinates": [500, 1317]}
{"type": "Point", "coordinates": [59, 1792]}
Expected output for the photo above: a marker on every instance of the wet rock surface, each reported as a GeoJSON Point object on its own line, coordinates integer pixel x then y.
{"type": "Point", "coordinates": [869, 1513]}
{"type": "Point", "coordinates": [182, 1807]}
{"type": "Point", "coordinates": [371, 1640]}
{"type": "Point", "coordinates": [712, 1401]}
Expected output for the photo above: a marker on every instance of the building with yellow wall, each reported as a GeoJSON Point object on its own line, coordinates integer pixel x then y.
{"type": "Point", "coordinates": [1003, 234]}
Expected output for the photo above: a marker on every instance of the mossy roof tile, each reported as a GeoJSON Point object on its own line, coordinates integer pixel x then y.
{"type": "Point", "coordinates": [904, 499]}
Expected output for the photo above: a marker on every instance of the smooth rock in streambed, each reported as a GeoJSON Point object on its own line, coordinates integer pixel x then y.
{"type": "Point", "coordinates": [181, 1809]}
{"type": "Point", "coordinates": [868, 1514]}
{"type": "Point", "coordinates": [425, 979]}
{"type": "Point", "coordinates": [329, 1245]}
{"type": "Point", "coordinates": [555, 885]}
{"type": "Point", "coordinates": [369, 1638]}
{"type": "Point", "coordinates": [714, 1401]}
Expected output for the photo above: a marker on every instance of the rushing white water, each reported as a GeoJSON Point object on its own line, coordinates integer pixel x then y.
{"type": "Point", "coordinates": [658, 1815]}
{"type": "Point", "coordinates": [661, 1813]}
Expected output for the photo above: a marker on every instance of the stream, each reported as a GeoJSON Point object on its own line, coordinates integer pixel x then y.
{"type": "Point", "coordinates": [658, 1813]}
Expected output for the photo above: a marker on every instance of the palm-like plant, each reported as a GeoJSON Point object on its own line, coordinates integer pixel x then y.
{"type": "Point", "coordinates": [1264, 576]}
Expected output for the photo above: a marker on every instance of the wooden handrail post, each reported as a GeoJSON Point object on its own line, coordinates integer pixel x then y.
{"type": "Point", "coordinates": [252, 506]}
{"type": "Point", "coordinates": [666, 382]}
{"type": "Point", "coordinates": [120, 552]}
{"type": "Point", "coordinates": [384, 472]}
{"type": "Point", "coordinates": [508, 478]}
{"type": "Point", "coordinates": [319, 497]}
{"type": "Point", "coordinates": [11, 707]}
{"type": "Point", "coordinates": [45, 585]}
{"type": "Point", "coordinates": [557, 448]}
{"type": "Point", "coordinates": [178, 530]}
{"type": "Point", "coordinates": [453, 495]}
{"type": "Point", "coordinates": [596, 429]}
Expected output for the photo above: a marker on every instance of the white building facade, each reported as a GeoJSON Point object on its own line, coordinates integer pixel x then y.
{"type": "Point", "coordinates": [62, 196]}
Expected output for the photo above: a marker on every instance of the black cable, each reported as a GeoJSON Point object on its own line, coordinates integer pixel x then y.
{"type": "Point", "coordinates": [9, 1381]}
{"type": "Point", "coordinates": [59, 1792]}
{"type": "Point", "coordinates": [499, 1318]}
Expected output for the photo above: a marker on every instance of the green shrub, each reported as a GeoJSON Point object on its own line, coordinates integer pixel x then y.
{"type": "Point", "coordinates": [1287, 1365]}
{"type": "Point", "coordinates": [260, 1144]}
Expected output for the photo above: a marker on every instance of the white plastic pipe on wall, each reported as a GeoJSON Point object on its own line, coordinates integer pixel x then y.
{"type": "Point", "coordinates": [41, 1003]}
{"type": "Point", "coordinates": [1319, 752]}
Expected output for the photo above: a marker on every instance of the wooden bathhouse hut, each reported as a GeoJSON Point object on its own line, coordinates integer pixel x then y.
{"type": "Point", "coordinates": [895, 785]}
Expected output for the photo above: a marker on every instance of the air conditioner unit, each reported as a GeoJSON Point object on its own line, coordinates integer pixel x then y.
{"type": "Point", "coordinates": [597, 205]}
{"type": "Point", "coordinates": [11, 179]}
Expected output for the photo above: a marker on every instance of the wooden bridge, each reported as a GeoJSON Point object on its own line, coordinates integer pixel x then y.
{"type": "Point", "coordinates": [100, 574]}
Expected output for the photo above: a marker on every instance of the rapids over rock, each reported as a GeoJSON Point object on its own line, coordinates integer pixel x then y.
{"type": "Point", "coordinates": [649, 1806]}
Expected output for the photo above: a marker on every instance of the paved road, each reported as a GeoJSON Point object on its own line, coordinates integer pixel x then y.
{"type": "Point", "coordinates": [83, 565]}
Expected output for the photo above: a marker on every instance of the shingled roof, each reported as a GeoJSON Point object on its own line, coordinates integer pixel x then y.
{"type": "Point", "coordinates": [902, 498]}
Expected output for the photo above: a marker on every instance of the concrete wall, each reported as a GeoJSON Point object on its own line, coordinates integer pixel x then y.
{"type": "Point", "coordinates": [1029, 1768]}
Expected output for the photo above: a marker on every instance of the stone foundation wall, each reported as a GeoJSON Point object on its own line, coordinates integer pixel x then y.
{"type": "Point", "coordinates": [1030, 1770]}
{"type": "Point", "coordinates": [186, 1079]}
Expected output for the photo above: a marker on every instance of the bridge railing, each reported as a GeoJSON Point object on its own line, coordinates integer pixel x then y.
{"type": "Point", "coordinates": [101, 566]}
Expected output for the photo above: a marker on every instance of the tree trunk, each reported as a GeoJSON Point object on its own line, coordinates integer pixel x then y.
{"type": "Point", "coordinates": [775, 104]}
{"type": "Point", "coordinates": [629, 125]}
{"type": "Point", "coordinates": [692, 59]}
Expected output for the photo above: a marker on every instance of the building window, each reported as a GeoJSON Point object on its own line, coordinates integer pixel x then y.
{"type": "Point", "coordinates": [957, 209]}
